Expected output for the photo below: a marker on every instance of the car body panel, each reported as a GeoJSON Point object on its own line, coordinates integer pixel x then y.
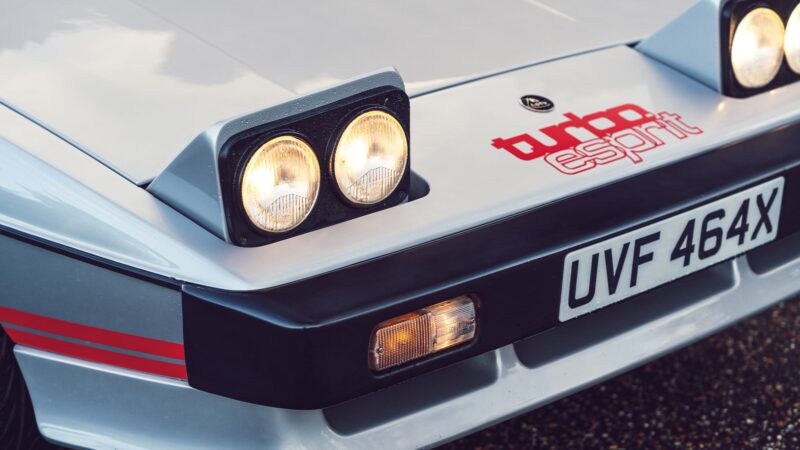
{"type": "Point", "coordinates": [40, 281]}
{"type": "Point", "coordinates": [133, 83]}
{"type": "Point", "coordinates": [113, 408]}
{"type": "Point", "coordinates": [97, 98]}
{"type": "Point", "coordinates": [119, 83]}
{"type": "Point", "coordinates": [60, 195]}
{"type": "Point", "coordinates": [691, 43]}
{"type": "Point", "coordinates": [450, 128]}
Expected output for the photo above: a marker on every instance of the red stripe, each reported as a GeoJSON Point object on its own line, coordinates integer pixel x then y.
{"type": "Point", "coordinates": [97, 354]}
{"type": "Point", "coordinates": [92, 334]}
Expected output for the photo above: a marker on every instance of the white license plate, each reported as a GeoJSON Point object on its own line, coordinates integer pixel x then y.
{"type": "Point", "coordinates": [634, 262]}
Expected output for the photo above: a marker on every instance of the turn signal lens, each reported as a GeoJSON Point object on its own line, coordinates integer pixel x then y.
{"type": "Point", "coordinates": [791, 44]}
{"type": "Point", "coordinates": [280, 184]}
{"type": "Point", "coordinates": [757, 48]}
{"type": "Point", "coordinates": [422, 333]}
{"type": "Point", "coordinates": [370, 157]}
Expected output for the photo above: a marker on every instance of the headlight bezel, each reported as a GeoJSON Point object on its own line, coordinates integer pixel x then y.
{"type": "Point", "coordinates": [320, 128]}
{"type": "Point", "coordinates": [731, 15]}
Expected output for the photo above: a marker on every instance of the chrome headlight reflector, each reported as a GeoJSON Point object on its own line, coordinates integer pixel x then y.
{"type": "Point", "coordinates": [280, 184]}
{"type": "Point", "coordinates": [370, 157]}
{"type": "Point", "coordinates": [757, 48]}
{"type": "Point", "coordinates": [791, 45]}
{"type": "Point", "coordinates": [319, 167]}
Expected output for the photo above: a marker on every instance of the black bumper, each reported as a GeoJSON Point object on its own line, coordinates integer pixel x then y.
{"type": "Point", "coordinates": [304, 345]}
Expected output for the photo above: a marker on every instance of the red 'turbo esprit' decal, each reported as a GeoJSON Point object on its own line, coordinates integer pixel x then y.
{"type": "Point", "coordinates": [583, 143]}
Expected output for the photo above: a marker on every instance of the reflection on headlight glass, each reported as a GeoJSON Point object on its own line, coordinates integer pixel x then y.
{"type": "Point", "coordinates": [757, 48]}
{"type": "Point", "coordinates": [280, 184]}
{"type": "Point", "coordinates": [370, 157]}
{"type": "Point", "coordinates": [791, 45]}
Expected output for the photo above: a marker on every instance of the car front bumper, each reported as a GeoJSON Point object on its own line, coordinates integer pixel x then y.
{"type": "Point", "coordinates": [115, 408]}
{"type": "Point", "coordinates": [253, 346]}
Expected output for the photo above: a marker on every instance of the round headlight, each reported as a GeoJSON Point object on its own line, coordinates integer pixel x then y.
{"type": "Point", "coordinates": [370, 157]}
{"type": "Point", "coordinates": [280, 184]}
{"type": "Point", "coordinates": [757, 48]}
{"type": "Point", "coordinates": [791, 44]}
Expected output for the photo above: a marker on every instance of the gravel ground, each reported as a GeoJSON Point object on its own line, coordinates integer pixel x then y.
{"type": "Point", "coordinates": [736, 390]}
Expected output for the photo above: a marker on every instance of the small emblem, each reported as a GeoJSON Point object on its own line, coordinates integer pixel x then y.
{"type": "Point", "coordinates": [536, 103]}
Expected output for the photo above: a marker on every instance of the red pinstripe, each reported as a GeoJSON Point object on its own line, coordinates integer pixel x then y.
{"type": "Point", "coordinates": [95, 335]}
{"type": "Point", "coordinates": [92, 334]}
{"type": "Point", "coordinates": [97, 354]}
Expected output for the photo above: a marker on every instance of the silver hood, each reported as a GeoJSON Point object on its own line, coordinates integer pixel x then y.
{"type": "Point", "coordinates": [132, 83]}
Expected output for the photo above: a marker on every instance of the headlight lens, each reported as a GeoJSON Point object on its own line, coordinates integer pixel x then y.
{"type": "Point", "coordinates": [757, 48]}
{"type": "Point", "coordinates": [791, 45]}
{"type": "Point", "coordinates": [423, 332]}
{"type": "Point", "coordinates": [370, 157]}
{"type": "Point", "coordinates": [280, 184]}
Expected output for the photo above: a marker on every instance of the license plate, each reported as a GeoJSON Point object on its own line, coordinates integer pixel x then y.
{"type": "Point", "coordinates": [623, 266]}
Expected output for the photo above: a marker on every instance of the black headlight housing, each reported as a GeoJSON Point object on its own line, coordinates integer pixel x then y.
{"type": "Point", "coordinates": [731, 15]}
{"type": "Point", "coordinates": [321, 129]}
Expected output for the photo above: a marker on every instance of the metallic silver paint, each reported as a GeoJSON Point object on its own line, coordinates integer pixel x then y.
{"type": "Point", "coordinates": [450, 129]}
{"type": "Point", "coordinates": [132, 83]}
{"type": "Point", "coordinates": [125, 85]}
{"type": "Point", "coordinates": [94, 406]}
{"type": "Point", "coordinates": [690, 43]}
{"type": "Point", "coordinates": [190, 184]}
{"type": "Point", "coordinates": [432, 44]}
{"type": "Point", "coordinates": [85, 404]}
{"type": "Point", "coordinates": [84, 206]}
{"type": "Point", "coordinates": [43, 282]}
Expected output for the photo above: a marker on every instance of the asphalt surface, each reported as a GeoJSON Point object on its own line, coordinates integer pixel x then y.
{"type": "Point", "coordinates": [739, 389]}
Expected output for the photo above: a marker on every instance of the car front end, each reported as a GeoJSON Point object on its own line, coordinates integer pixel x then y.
{"type": "Point", "coordinates": [550, 225]}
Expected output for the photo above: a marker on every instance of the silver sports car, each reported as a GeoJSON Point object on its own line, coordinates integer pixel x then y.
{"type": "Point", "coordinates": [370, 224]}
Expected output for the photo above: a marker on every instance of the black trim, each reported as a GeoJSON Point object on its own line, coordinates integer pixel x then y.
{"type": "Point", "coordinates": [89, 258]}
{"type": "Point", "coordinates": [320, 128]}
{"type": "Point", "coordinates": [732, 12]}
{"type": "Point", "coordinates": [304, 345]}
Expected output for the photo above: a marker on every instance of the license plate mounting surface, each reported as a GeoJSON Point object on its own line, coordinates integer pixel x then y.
{"type": "Point", "coordinates": [620, 267]}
